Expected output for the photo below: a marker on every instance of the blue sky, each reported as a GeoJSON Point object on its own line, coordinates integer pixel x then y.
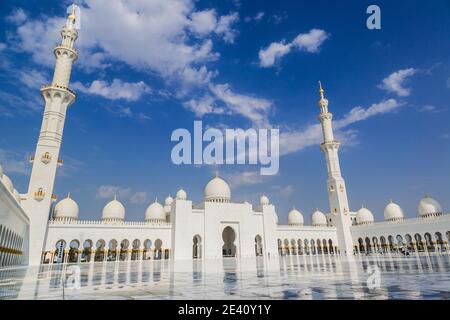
{"type": "Point", "coordinates": [147, 68]}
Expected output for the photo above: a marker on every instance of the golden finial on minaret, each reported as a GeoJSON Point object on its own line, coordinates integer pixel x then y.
{"type": "Point", "coordinates": [321, 91]}
{"type": "Point", "coordinates": [72, 15]}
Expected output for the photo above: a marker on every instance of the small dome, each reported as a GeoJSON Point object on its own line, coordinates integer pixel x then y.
{"type": "Point", "coordinates": [181, 195]}
{"type": "Point", "coordinates": [217, 190]}
{"type": "Point", "coordinates": [429, 207]}
{"type": "Point", "coordinates": [8, 183]}
{"type": "Point", "coordinates": [364, 216]}
{"type": "Point", "coordinates": [168, 201]}
{"type": "Point", "coordinates": [155, 212]}
{"type": "Point", "coordinates": [318, 219]}
{"type": "Point", "coordinates": [393, 212]}
{"type": "Point", "coordinates": [66, 209]}
{"type": "Point", "coordinates": [114, 211]}
{"type": "Point", "coordinates": [264, 201]}
{"type": "Point", "coordinates": [295, 218]}
{"type": "Point", "coordinates": [16, 195]}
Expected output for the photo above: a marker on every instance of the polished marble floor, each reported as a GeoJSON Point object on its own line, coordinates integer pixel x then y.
{"type": "Point", "coordinates": [425, 276]}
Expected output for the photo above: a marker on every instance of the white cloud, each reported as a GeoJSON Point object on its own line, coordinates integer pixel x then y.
{"type": "Point", "coordinates": [309, 42]}
{"type": "Point", "coordinates": [359, 113]}
{"type": "Point", "coordinates": [17, 17]}
{"type": "Point", "coordinates": [224, 27]}
{"type": "Point", "coordinates": [259, 16]}
{"type": "Point", "coordinates": [122, 193]}
{"type": "Point", "coordinates": [2, 46]}
{"type": "Point", "coordinates": [394, 83]}
{"type": "Point", "coordinates": [117, 89]}
{"type": "Point", "coordinates": [276, 50]}
{"type": "Point", "coordinates": [171, 39]}
{"type": "Point", "coordinates": [284, 191]}
{"type": "Point", "coordinates": [32, 78]}
{"type": "Point", "coordinates": [294, 140]}
{"type": "Point", "coordinates": [203, 22]}
{"type": "Point", "coordinates": [428, 108]}
{"type": "Point", "coordinates": [244, 178]}
{"type": "Point", "coordinates": [252, 108]}
{"type": "Point", "coordinates": [152, 35]}
{"type": "Point", "coordinates": [13, 162]}
{"type": "Point", "coordinates": [139, 197]}
{"type": "Point", "coordinates": [203, 106]}
{"type": "Point", "coordinates": [109, 191]}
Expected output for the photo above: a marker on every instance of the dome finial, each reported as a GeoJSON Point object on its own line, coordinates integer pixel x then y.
{"type": "Point", "coordinates": [68, 194]}
{"type": "Point", "coordinates": [217, 173]}
{"type": "Point", "coordinates": [115, 195]}
{"type": "Point", "coordinates": [426, 195]}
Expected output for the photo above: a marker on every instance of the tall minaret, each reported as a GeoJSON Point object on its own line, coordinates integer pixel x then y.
{"type": "Point", "coordinates": [337, 193]}
{"type": "Point", "coordinates": [58, 97]}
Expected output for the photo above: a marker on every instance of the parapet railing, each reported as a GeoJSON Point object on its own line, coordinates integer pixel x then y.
{"type": "Point", "coordinates": [100, 222]}
{"type": "Point", "coordinates": [406, 220]}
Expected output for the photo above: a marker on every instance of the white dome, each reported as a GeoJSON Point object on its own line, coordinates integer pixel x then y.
{"type": "Point", "coordinates": [295, 218]}
{"type": "Point", "coordinates": [364, 216]}
{"type": "Point", "coordinates": [428, 207]}
{"type": "Point", "coordinates": [114, 211]}
{"type": "Point", "coordinates": [181, 195]}
{"type": "Point", "coordinates": [168, 201]}
{"type": "Point", "coordinates": [155, 212]}
{"type": "Point", "coordinates": [318, 219]}
{"type": "Point", "coordinates": [66, 208]}
{"type": "Point", "coordinates": [8, 183]}
{"type": "Point", "coordinates": [217, 190]}
{"type": "Point", "coordinates": [264, 201]}
{"type": "Point", "coordinates": [393, 212]}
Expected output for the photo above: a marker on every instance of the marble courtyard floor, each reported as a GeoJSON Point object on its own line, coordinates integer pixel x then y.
{"type": "Point", "coordinates": [424, 276]}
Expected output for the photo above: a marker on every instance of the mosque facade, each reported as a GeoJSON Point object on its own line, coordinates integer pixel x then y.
{"type": "Point", "coordinates": [34, 229]}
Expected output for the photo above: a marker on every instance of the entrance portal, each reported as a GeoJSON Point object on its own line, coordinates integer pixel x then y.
{"type": "Point", "coordinates": [228, 248]}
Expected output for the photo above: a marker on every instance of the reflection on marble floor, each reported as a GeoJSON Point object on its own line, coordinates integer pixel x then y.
{"type": "Point", "coordinates": [290, 277]}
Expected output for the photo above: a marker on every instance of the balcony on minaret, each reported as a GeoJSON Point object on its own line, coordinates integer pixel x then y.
{"type": "Point", "coordinates": [46, 158]}
{"type": "Point", "coordinates": [60, 162]}
{"type": "Point", "coordinates": [39, 195]}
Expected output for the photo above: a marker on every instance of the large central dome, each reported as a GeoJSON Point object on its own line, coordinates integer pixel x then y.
{"type": "Point", "coordinates": [217, 190]}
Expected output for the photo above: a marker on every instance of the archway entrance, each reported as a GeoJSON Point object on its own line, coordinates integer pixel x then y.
{"type": "Point", "coordinates": [228, 248]}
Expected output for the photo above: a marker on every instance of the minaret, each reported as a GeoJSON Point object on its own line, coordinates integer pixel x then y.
{"type": "Point", "coordinates": [337, 193]}
{"type": "Point", "coordinates": [58, 97]}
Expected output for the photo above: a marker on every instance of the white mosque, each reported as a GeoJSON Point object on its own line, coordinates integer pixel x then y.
{"type": "Point", "coordinates": [34, 230]}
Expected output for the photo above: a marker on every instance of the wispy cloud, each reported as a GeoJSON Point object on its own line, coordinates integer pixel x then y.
{"type": "Point", "coordinates": [395, 82]}
{"type": "Point", "coordinates": [253, 108]}
{"type": "Point", "coordinates": [308, 42]}
{"type": "Point", "coordinates": [109, 191]}
{"type": "Point", "coordinates": [294, 140]}
{"type": "Point", "coordinates": [122, 193]}
{"type": "Point", "coordinates": [117, 89]}
{"type": "Point", "coordinates": [244, 178]}
{"type": "Point", "coordinates": [14, 162]}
